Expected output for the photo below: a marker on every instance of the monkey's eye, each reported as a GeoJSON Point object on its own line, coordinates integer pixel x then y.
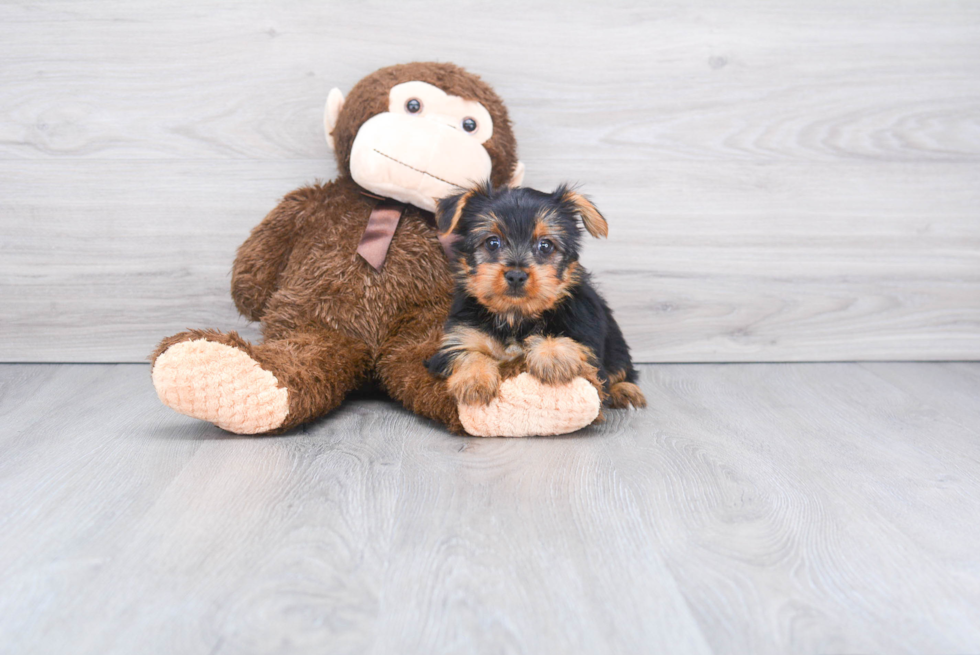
{"type": "Point", "coordinates": [469, 125]}
{"type": "Point", "coordinates": [492, 243]}
{"type": "Point", "coordinates": [545, 246]}
{"type": "Point", "coordinates": [413, 106]}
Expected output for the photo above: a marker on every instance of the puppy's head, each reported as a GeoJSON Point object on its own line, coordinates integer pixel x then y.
{"type": "Point", "coordinates": [516, 250]}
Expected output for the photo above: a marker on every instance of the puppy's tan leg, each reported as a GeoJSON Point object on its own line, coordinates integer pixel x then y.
{"type": "Point", "coordinates": [623, 394]}
{"type": "Point", "coordinates": [475, 379]}
{"type": "Point", "coordinates": [556, 360]}
{"type": "Point", "coordinates": [475, 358]}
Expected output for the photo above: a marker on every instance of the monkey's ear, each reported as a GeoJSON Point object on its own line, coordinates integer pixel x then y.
{"type": "Point", "coordinates": [335, 102]}
{"type": "Point", "coordinates": [449, 210]}
{"type": "Point", "coordinates": [592, 220]}
{"type": "Point", "coordinates": [517, 179]}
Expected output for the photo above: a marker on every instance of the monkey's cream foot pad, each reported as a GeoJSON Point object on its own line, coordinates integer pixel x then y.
{"type": "Point", "coordinates": [526, 408]}
{"type": "Point", "coordinates": [220, 384]}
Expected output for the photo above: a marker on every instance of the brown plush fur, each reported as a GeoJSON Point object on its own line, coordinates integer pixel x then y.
{"type": "Point", "coordinates": [331, 322]}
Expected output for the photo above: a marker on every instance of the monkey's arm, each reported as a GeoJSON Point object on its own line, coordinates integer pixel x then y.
{"type": "Point", "coordinates": [263, 256]}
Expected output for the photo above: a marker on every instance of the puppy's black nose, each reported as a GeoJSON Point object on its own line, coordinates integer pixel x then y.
{"type": "Point", "coordinates": [515, 278]}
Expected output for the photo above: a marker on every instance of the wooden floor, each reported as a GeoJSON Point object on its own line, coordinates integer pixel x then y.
{"type": "Point", "coordinates": [754, 508]}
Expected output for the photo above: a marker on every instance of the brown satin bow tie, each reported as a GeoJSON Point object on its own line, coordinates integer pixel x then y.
{"type": "Point", "coordinates": [380, 230]}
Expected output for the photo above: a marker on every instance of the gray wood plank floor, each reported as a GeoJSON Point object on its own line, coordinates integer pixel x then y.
{"type": "Point", "coordinates": [754, 508]}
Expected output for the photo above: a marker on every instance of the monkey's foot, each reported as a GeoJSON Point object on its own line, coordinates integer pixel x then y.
{"type": "Point", "coordinates": [221, 384]}
{"type": "Point", "coordinates": [525, 407]}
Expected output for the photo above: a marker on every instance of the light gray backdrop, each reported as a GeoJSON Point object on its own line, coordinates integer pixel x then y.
{"type": "Point", "coordinates": [796, 182]}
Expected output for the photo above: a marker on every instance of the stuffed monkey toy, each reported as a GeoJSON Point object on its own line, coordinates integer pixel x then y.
{"type": "Point", "coordinates": [350, 281]}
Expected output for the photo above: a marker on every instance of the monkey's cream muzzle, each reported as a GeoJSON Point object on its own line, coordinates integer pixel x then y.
{"type": "Point", "coordinates": [415, 160]}
{"type": "Point", "coordinates": [428, 145]}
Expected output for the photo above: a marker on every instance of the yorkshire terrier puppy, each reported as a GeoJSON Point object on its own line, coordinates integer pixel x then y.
{"type": "Point", "coordinates": [522, 300]}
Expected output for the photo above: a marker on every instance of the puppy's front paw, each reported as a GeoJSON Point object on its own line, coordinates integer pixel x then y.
{"type": "Point", "coordinates": [476, 381]}
{"type": "Point", "coordinates": [556, 360]}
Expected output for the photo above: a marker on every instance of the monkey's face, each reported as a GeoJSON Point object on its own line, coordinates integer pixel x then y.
{"type": "Point", "coordinates": [429, 144]}
{"type": "Point", "coordinates": [421, 131]}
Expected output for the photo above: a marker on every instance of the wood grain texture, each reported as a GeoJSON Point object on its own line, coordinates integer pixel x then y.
{"type": "Point", "coordinates": [764, 508]}
{"type": "Point", "coordinates": [782, 183]}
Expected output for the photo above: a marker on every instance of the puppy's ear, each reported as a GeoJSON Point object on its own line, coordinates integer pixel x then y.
{"type": "Point", "coordinates": [449, 210]}
{"type": "Point", "coordinates": [592, 220]}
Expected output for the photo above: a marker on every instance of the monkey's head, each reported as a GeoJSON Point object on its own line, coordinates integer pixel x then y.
{"type": "Point", "coordinates": [419, 132]}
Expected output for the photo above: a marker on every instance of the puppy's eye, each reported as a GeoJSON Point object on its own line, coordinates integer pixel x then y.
{"type": "Point", "coordinates": [545, 246]}
{"type": "Point", "coordinates": [492, 243]}
{"type": "Point", "coordinates": [469, 125]}
{"type": "Point", "coordinates": [413, 106]}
